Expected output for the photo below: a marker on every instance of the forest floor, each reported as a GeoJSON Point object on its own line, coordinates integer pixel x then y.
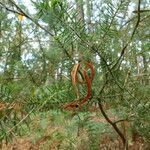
{"type": "Point", "coordinates": [106, 144]}
{"type": "Point", "coordinates": [48, 142]}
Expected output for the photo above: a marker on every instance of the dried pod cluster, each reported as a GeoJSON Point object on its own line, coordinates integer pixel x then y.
{"type": "Point", "coordinates": [82, 73]}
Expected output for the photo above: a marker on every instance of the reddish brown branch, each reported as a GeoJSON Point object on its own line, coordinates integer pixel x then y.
{"type": "Point", "coordinates": [121, 120]}
{"type": "Point", "coordinates": [132, 35]}
{"type": "Point", "coordinates": [124, 140]}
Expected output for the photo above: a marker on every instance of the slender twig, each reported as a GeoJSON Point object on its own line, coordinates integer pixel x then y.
{"type": "Point", "coordinates": [35, 22]}
{"type": "Point", "coordinates": [115, 127]}
{"type": "Point", "coordinates": [111, 22]}
{"type": "Point", "coordinates": [132, 35]}
{"type": "Point", "coordinates": [113, 124]}
{"type": "Point", "coordinates": [121, 120]}
{"type": "Point", "coordinates": [11, 10]}
{"type": "Point", "coordinates": [141, 11]}
{"type": "Point", "coordinates": [30, 18]}
{"type": "Point", "coordinates": [30, 112]}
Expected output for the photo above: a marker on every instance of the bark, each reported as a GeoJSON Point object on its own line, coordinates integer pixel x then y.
{"type": "Point", "coordinates": [80, 27]}
{"type": "Point", "coordinates": [80, 11]}
{"type": "Point", "coordinates": [89, 14]}
{"type": "Point", "coordinates": [145, 63]}
{"type": "Point", "coordinates": [14, 55]}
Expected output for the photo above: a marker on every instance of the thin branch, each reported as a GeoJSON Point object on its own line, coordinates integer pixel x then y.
{"type": "Point", "coordinates": [35, 22]}
{"type": "Point", "coordinates": [113, 124]}
{"type": "Point", "coordinates": [27, 16]}
{"type": "Point", "coordinates": [121, 120]}
{"type": "Point", "coordinates": [11, 10]}
{"type": "Point", "coordinates": [111, 22]}
{"type": "Point", "coordinates": [132, 35]}
{"type": "Point", "coordinates": [141, 11]}
{"type": "Point", "coordinates": [124, 140]}
{"type": "Point", "coordinates": [30, 112]}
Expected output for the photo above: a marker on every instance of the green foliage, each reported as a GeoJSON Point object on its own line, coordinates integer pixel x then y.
{"type": "Point", "coordinates": [52, 96]}
{"type": "Point", "coordinates": [36, 58]}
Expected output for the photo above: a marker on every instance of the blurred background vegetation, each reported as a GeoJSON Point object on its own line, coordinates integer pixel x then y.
{"type": "Point", "coordinates": [41, 40]}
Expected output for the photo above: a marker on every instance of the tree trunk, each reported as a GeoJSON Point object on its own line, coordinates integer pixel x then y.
{"type": "Point", "coordinates": [80, 11]}
{"type": "Point", "coordinates": [89, 14]}
{"type": "Point", "coordinates": [14, 56]}
{"type": "Point", "coordinates": [81, 25]}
